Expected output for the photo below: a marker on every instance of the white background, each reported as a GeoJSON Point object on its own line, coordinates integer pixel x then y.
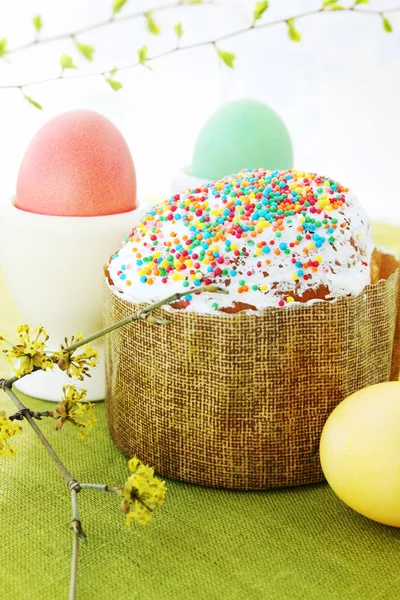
{"type": "Point", "coordinates": [338, 90]}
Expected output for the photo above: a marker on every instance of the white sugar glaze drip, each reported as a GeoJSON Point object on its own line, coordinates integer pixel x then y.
{"type": "Point", "coordinates": [343, 255]}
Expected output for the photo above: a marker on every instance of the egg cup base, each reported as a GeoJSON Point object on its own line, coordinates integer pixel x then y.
{"type": "Point", "coordinates": [52, 267]}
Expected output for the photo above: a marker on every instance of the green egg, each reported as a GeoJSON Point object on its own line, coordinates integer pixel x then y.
{"type": "Point", "coordinates": [241, 134]}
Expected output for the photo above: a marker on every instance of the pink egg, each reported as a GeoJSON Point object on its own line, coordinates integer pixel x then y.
{"type": "Point", "coordinates": [79, 165]}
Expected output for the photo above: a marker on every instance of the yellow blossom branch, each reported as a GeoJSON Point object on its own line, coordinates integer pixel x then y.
{"type": "Point", "coordinates": [68, 478]}
{"type": "Point", "coordinates": [29, 355]}
{"type": "Point", "coordinates": [143, 491]}
{"type": "Point", "coordinates": [113, 490]}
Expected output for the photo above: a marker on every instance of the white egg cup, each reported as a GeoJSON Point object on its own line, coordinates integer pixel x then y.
{"type": "Point", "coordinates": [53, 267]}
{"type": "Point", "coordinates": [184, 180]}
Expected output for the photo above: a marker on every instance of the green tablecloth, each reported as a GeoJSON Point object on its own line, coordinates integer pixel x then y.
{"type": "Point", "coordinates": [300, 543]}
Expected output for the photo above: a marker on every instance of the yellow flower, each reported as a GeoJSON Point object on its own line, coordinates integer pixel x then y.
{"type": "Point", "coordinates": [30, 354]}
{"type": "Point", "coordinates": [77, 363]}
{"type": "Point", "coordinates": [142, 493]}
{"type": "Point", "coordinates": [139, 514]}
{"type": "Point", "coordinates": [7, 430]}
{"type": "Point", "coordinates": [71, 410]}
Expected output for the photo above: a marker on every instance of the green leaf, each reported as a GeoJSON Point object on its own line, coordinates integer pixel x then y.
{"type": "Point", "coordinates": [260, 9]}
{"type": "Point", "coordinates": [151, 24]}
{"type": "Point", "coordinates": [3, 47]}
{"type": "Point", "coordinates": [178, 29]}
{"type": "Point", "coordinates": [386, 25]}
{"type": "Point", "coordinates": [67, 62]}
{"type": "Point", "coordinates": [116, 85]}
{"type": "Point", "coordinates": [361, 2]}
{"type": "Point", "coordinates": [294, 35]}
{"type": "Point", "coordinates": [33, 102]}
{"type": "Point", "coordinates": [337, 7]}
{"type": "Point", "coordinates": [86, 50]}
{"type": "Point", "coordinates": [117, 5]}
{"type": "Point", "coordinates": [329, 3]}
{"type": "Point", "coordinates": [113, 71]}
{"type": "Point", "coordinates": [37, 23]}
{"type": "Point", "coordinates": [143, 56]}
{"type": "Point", "coordinates": [227, 57]}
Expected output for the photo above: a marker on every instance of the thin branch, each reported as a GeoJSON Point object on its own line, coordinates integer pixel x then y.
{"type": "Point", "coordinates": [140, 15]}
{"type": "Point", "coordinates": [26, 412]}
{"type": "Point", "coordinates": [69, 479]}
{"type": "Point", "coordinates": [106, 488]}
{"type": "Point", "coordinates": [10, 382]}
{"type": "Point", "coordinates": [74, 567]}
{"type": "Point", "coordinates": [180, 48]}
{"type": "Point", "coordinates": [89, 28]}
{"type": "Point", "coordinates": [19, 416]}
{"type": "Point", "coordinates": [79, 534]}
{"type": "Point", "coordinates": [142, 314]}
{"type": "Point", "coordinates": [99, 486]}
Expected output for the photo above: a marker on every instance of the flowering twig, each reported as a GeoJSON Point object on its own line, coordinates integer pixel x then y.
{"type": "Point", "coordinates": [73, 411]}
{"type": "Point", "coordinates": [68, 478]}
{"type": "Point", "coordinates": [142, 492]}
{"type": "Point", "coordinates": [113, 490]}
{"type": "Point", "coordinates": [73, 485]}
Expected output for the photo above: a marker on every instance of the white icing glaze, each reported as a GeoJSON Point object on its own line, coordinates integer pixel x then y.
{"type": "Point", "coordinates": [344, 265]}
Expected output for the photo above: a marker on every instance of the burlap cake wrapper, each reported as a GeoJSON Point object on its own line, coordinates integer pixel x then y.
{"type": "Point", "coordinates": [239, 401]}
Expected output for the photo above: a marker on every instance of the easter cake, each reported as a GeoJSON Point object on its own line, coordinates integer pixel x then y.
{"type": "Point", "coordinates": [234, 391]}
{"type": "Point", "coordinates": [270, 238]}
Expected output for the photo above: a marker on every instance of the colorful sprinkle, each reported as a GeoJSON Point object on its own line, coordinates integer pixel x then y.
{"type": "Point", "coordinates": [233, 232]}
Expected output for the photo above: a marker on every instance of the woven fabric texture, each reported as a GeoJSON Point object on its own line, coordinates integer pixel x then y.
{"type": "Point", "coordinates": [240, 401]}
{"type": "Point", "coordinates": [298, 543]}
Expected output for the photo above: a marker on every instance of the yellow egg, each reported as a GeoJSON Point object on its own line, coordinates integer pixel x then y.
{"type": "Point", "coordinates": [360, 452]}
